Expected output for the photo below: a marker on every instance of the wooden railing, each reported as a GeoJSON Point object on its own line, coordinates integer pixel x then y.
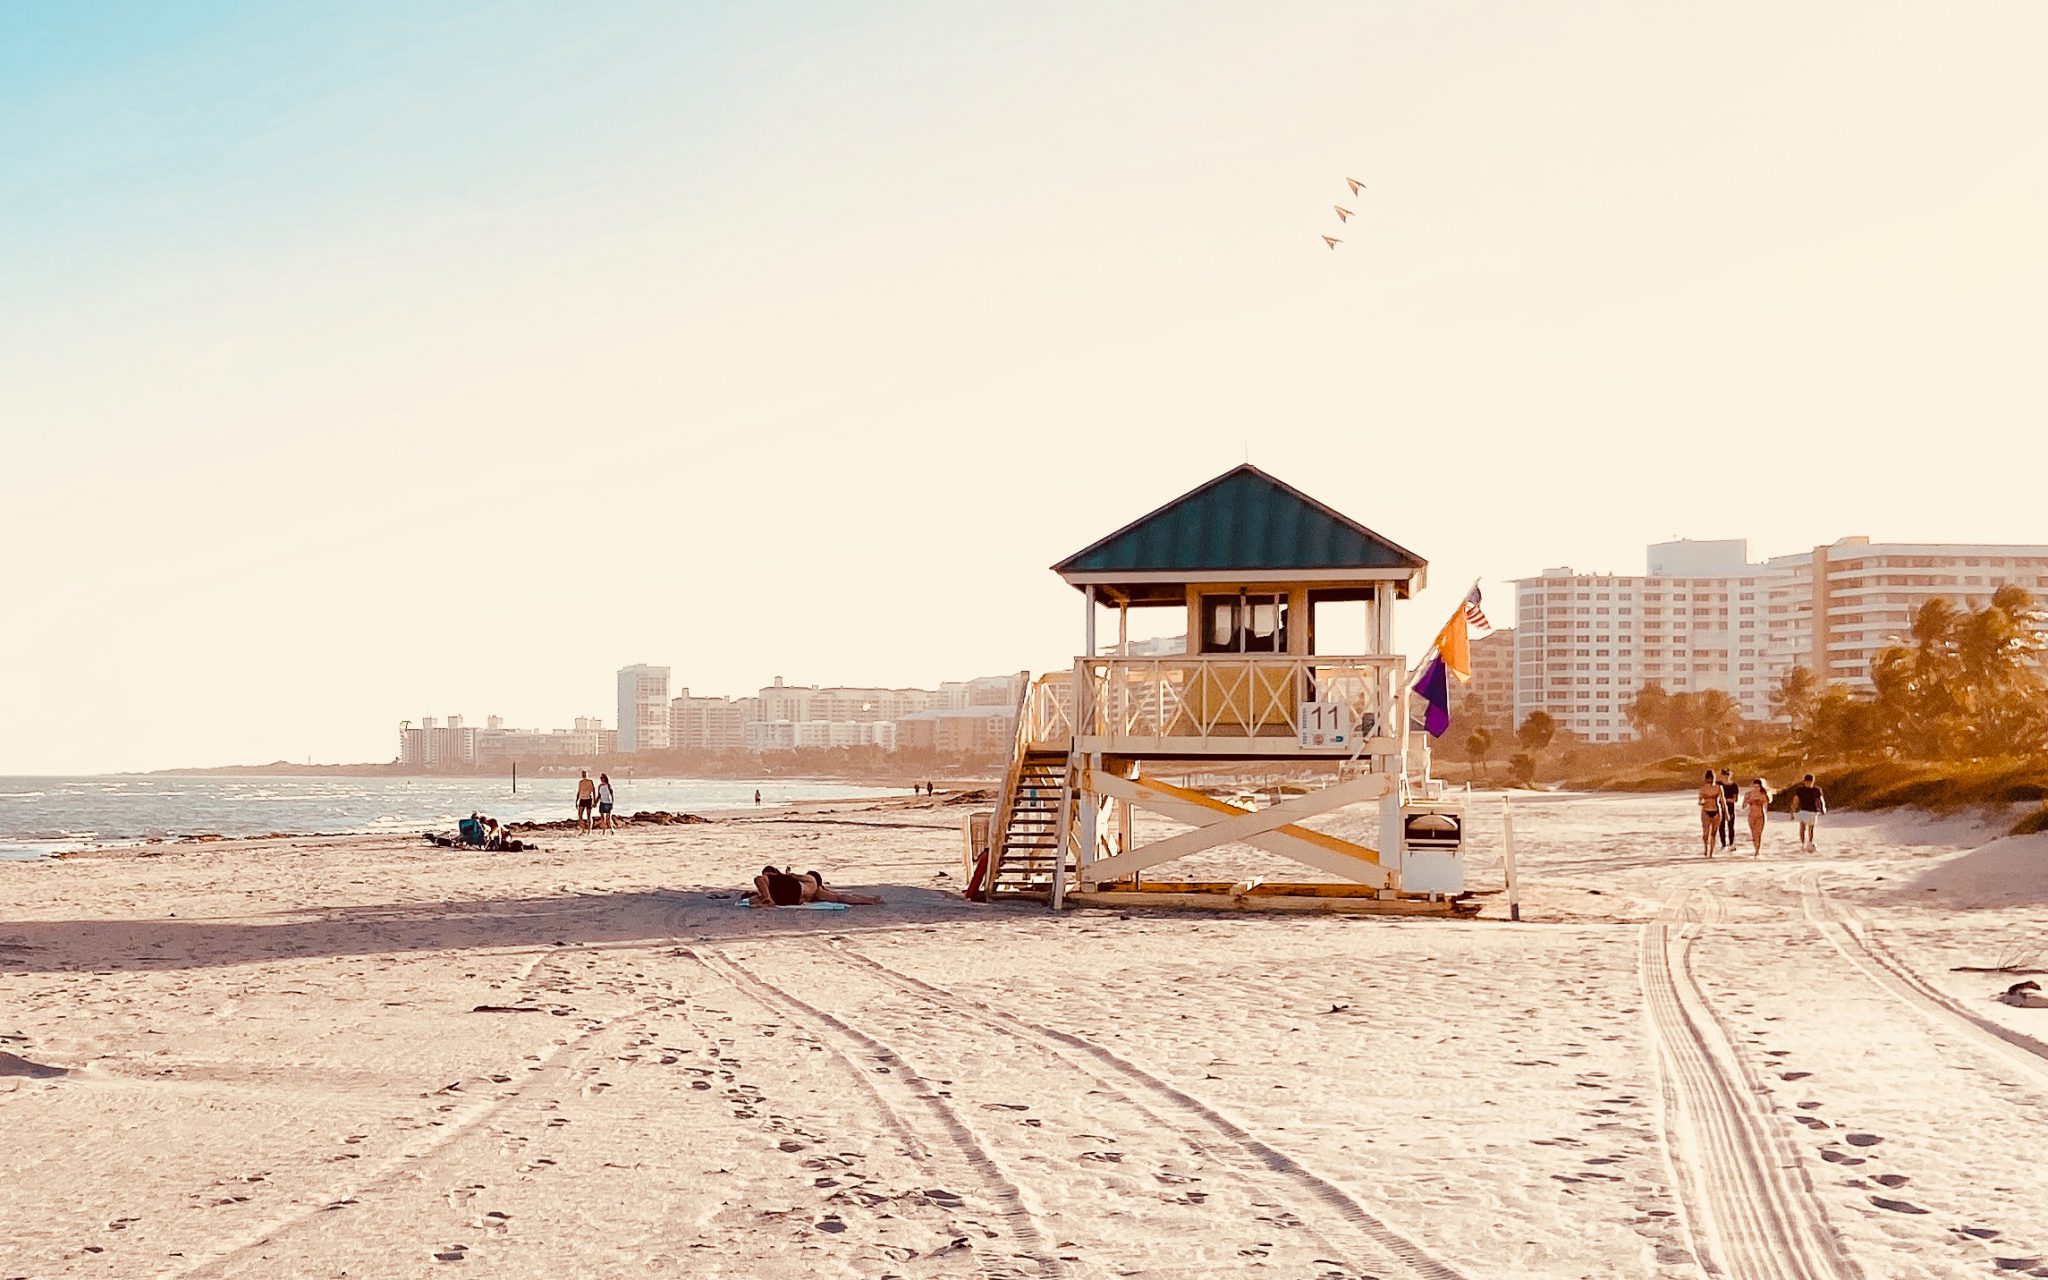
{"type": "Point", "coordinates": [1212, 702]}
{"type": "Point", "coordinates": [999, 823]}
{"type": "Point", "coordinates": [1047, 721]}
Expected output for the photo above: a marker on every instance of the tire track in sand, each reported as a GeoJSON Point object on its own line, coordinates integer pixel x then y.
{"type": "Point", "coordinates": [911, 1106]}
{"type": "Point", "coordinates": [1749, 1207]}
{"type": "Point", "coordinates": [1092, 1058]}
{"type": "Point", "coordinates": [542, 1078]}
{"type": "Point", "coordinates": [2017, 1053]}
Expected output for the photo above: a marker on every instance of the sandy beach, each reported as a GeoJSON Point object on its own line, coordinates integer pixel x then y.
{"type": "Point", "coordinates": [367, 1057]}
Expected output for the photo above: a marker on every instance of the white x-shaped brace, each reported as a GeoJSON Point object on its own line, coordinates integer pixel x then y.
{"type": "Point", "coordinates": [1217, 822]}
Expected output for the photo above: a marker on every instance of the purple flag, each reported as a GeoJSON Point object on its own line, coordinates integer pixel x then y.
{"type": "Point", "coordinates": [1435, 690]}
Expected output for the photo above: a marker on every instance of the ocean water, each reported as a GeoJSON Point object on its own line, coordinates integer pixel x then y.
{"type": "Point", "coordinates": [41, 816]}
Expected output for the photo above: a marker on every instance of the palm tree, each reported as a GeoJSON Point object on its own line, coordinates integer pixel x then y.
{"type": "Point", "coordinates": [1649, 711]}
{"type": "Point", "coordinates": [1479, 750]}
{"type": "Point", "coordinates": [1538, 728]}
{"type": "Point", "coordinates": [1715, 718]}
{"type": "Point", "coordinates": [1794, 697]}
{"type": "Point", "coordinates": [1998, 673]}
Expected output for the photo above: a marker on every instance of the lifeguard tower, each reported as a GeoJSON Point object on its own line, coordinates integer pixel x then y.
{"type": "Point", "coordinates": [1252, 564]}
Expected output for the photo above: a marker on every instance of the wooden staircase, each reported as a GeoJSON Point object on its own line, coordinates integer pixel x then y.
{"type": "Point", "coordinates": [1027, 845]}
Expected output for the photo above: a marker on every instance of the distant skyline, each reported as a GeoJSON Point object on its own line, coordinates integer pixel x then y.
{"type": "Point", "coordinates": [368, 359]}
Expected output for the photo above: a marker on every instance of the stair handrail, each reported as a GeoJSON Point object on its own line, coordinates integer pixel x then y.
{"type": "Point", "coordinates": [1006, 802]}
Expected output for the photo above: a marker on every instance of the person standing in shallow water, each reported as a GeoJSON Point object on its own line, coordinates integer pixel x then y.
{"type": "Point", "coordinates": [1709, 796]}
{"type": "Point", "coordinates": [1756, 803]}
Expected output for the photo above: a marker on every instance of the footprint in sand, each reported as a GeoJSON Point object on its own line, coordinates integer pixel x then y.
{"type": "Point", "coordinates": [1813, 1122]}
{"type": "Point", "coordinates": [1864, 1139]}
{"type": "Point", "coordinates": [1896, 1206]}
{"type": "Point", "coordinates": [1892, 1180]}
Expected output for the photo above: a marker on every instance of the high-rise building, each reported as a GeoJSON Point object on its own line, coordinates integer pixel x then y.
{"type": "Point", "coordinates": [643, 708]}
{"type": "Point", "coordinates": [1853, 598]}
{"type": "Point", "coordinates": [434, 745]}
{"type": "Point", "coordinates": [710, 724]}
{"type": "Point", "coordinates": [1586, 643]}
{"type": "Point", "coordinates": [1706, 617]}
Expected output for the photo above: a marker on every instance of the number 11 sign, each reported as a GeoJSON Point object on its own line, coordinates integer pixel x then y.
{"type": "Point", "coordinates": [1325, 725]}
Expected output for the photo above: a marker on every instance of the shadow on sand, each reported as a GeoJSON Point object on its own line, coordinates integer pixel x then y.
{"type": "Point", "coordinates": [567, 920]}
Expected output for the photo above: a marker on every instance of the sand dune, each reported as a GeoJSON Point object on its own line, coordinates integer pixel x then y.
{"type": "Point", "coordinates": [370, 1057]}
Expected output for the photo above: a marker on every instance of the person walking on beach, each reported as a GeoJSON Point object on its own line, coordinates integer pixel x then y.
{"type": "Point", "coordinates": [757, 795]}
{"type": "Point", "coordinates": [1756, 802]}
{"type": "Point", "coordinates": [586, 797]}
{"type": "Point", "coordinates": [604, 803]}
{"type": "Point", "coordinates": [1807, 806]}
{"type": "Point", "coordinates": [1709, 796]}
{"type": "Point", "coordinates": [1731, 796]}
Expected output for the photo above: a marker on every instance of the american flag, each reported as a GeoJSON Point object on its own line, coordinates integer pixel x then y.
{"type": "Point", "coordinates": [1473, 613]}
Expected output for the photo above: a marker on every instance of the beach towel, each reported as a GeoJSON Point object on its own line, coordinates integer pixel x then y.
{"type": "Point", "coordinates": [748, 901]}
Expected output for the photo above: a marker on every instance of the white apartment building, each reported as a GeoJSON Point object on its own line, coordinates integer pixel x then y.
{"type": "Point", "coordinates": [1706, 617]}
{"type": "Point", "coordinates": [541, 745]}
{"type": "Point", "coordinates": [643, 708]}
{"type": "Point", "coordinates": [434, 745]}
{"type": "Point", "coordinates": [799, 703]}
{"type": "Point", "coordinates": [788, 735]}
{"type": "Point", "coordinates": [1853, 598]}
{"type": "Point", "coordinates": [697, 723]}
{"type": "Point", "coordinates": [982, 691]}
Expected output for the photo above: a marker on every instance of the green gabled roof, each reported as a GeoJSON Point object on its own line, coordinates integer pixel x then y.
{"type": "Point", "coordinates": [1245, 520]}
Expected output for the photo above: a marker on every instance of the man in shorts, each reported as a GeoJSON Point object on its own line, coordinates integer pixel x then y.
{"type": "Point", "coordinates": [586, 800]}
{"type": "Point", "coordinates": [1807, 806]}
{"type": "Point", "coordinates": [1731, 795]}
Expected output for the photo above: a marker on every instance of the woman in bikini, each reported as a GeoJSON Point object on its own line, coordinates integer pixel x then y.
{"type": "Point", "coordinates": [784, 888]}
{"type": "Point", "coordinates": [1710, 814]}
{"type": "Point", "coordinates": [1756, 802]}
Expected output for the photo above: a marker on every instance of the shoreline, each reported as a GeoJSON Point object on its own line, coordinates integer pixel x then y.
{"type": "Point", "coordinates": [903, 778]}
{"type": "Point", "coordinates": [965, 796]}
{"type": "Point", "coordinates": [84, 831]}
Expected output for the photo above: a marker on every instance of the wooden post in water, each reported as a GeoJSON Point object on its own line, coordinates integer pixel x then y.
{"type": "Point", "coordinates": [515, 777]}
{"type": "Point", "coordinates": [1507, 859]}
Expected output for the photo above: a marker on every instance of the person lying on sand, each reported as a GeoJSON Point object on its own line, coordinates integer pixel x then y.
{"type": "Point", "coordinates": [785, 888]}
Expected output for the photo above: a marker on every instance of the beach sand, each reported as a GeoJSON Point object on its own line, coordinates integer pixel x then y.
{"type": "Point", "coordinates": [367, 1057]}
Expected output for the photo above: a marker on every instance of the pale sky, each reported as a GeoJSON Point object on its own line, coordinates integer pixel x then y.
{"type": "Point", "coordinates": [364, 361]}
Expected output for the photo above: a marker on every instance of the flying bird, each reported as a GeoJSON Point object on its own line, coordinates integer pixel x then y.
{"type": "Point", "coordinates": [1332, 241]}
{"type": "Point", "coordinates": [1356, 185]}
{"type": "Point", "coordinates": [1343, 214]}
